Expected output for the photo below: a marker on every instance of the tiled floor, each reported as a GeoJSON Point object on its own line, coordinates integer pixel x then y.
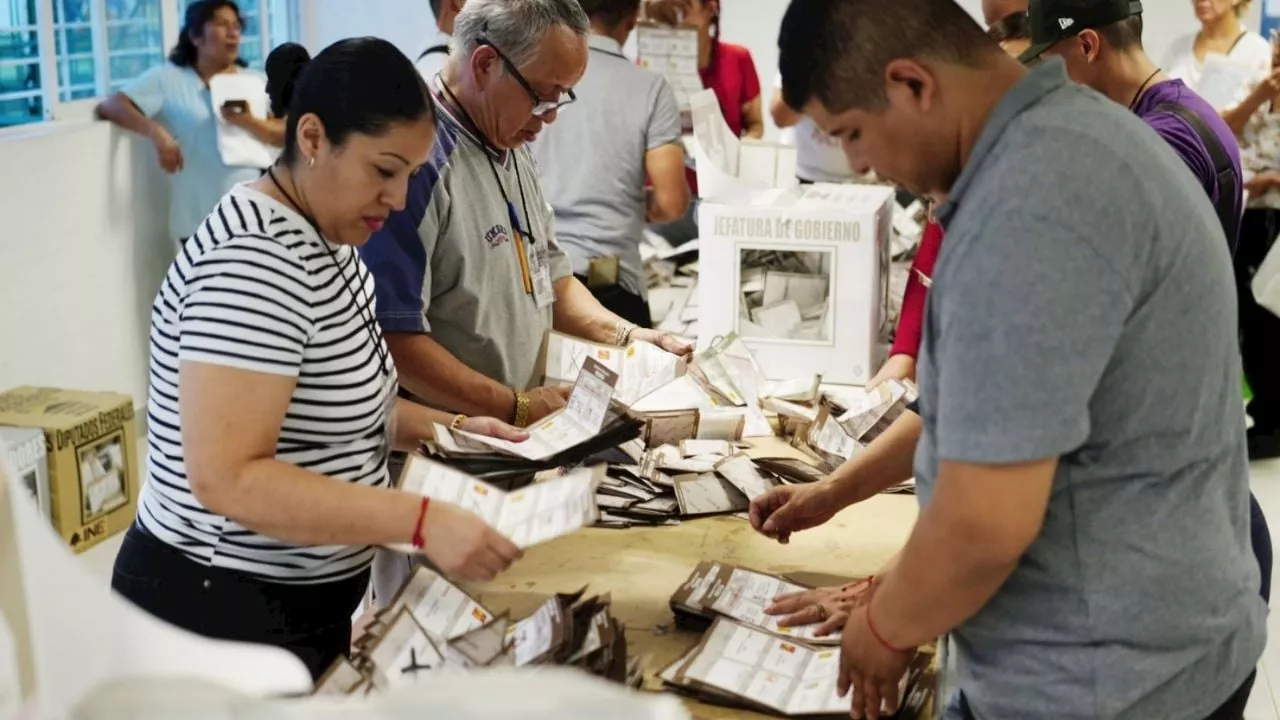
{"type": "Point", "coordinates": [1265, 701]}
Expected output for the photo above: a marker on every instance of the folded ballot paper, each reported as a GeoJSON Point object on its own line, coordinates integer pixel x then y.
{"type": "Point", "coordinates": [534, 514]}
{"type": "Point", "coordinates": [849, 419]}
{"type": "Point", "coordinates": [434, 626]}
{"type": "Point", "coordinates": [740, 594]}
{"type": "Point", "coordinates": [591, 422]}
{"type": "Point", "coordinates": [741, 666]}
{"type": "Point", "coordinates": [641, 367]}
{"type": "Point", "coordinates": [689, 479]}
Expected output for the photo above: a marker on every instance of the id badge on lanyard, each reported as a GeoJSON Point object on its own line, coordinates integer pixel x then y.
{"type": "Point", "coordinates": [543, 293]}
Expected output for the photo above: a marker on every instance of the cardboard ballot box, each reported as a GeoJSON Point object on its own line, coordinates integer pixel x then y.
{"type": "Point", "coordinates": [91, 444]}
{"type": "Point", "coordinates": [730, 167]}
{"type": "Point", "coordinates": [801, 276]}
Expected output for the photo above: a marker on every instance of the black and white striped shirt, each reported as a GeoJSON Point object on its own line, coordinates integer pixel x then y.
{"type": "Point", "coordinates": [257, 289]}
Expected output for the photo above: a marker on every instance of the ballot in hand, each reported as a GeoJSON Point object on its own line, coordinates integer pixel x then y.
{"type": "Point", "coordinates": [545, 400]}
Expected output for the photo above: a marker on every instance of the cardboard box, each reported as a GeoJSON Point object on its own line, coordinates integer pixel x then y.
{"type": "Point", "coordinates": [92, 447]}
{"type": "Point", "coordinates": [730, 167]}
{"type": "Point", "coordinates": [24, 450]}
{"type": "Point", "coordinates": [801, 276]}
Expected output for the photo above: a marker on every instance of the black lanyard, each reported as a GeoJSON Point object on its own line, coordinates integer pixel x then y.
{"type": "Point", "coordinates": [473, 132]}
{"type": "Point", "coordinates": [362, 302]}
{"type": "Point", "coordinates": [607, 52]}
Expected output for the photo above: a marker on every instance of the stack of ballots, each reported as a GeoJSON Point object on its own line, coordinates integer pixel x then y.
{"type": "Point", "coordinates": [746, 660]}
{"type": "Point", "coordinates": [847, 420]}
{"type": "Point", "coordinates": [719, 395]}
{"type": "Point", "coordinates": [592, 422]}
{"type": "Point", "coordinates": [695, 478]}
{"type": "Point", "coordinates": [433, 626]}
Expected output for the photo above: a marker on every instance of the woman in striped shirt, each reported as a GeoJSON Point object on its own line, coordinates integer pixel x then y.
{"type": "Point", "coordinates": [273, 401]}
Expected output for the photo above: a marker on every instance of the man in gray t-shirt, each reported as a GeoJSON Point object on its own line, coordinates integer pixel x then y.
{"type": "Point", "coordinates": [1081, 469]}
{"type": "Point", "coordinates": [628, 118]}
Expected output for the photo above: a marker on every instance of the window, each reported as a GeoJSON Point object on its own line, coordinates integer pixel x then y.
{"type": "Point", "coordinates": [21, 96]}
{"type": "Point", "coordinates": [54, 52]}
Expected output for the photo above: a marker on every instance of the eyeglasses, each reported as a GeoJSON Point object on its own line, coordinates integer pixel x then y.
{"type": "Point", "coordinates": [541, 107]}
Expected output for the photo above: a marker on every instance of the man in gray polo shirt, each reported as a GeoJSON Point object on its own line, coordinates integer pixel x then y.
{"type": "Point", "coordinates": [1084, 531]}
{"type": "Point", "coordinates": [629, 119]}
{"type": "Point", "coordinates": [470, 275]}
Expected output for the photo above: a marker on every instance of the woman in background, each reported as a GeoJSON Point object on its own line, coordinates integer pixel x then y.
{"type": "Point", "coordinates": [273, 398]}
{"type": "Point", "coordinates": [1256, 122]}
{"type": "Point", "coordinates": [1221, 33]}
{"type": "Point", "coordinates": [729, 70]}
{"type": "Point", "coordinates": [170, 105]}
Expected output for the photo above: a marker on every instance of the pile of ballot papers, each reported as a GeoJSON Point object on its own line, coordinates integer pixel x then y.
{"type": "Point", "coordinates": [745, 660]}
{"type": "Point", "coordinates": [671, 280]}
{"type": "Point", "coordinates": [433, 626]}
{"type": "Point", "coordinates": [696, 478]}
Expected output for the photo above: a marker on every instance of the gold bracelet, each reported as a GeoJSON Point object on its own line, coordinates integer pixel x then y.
{"type": "Point", "coordinates": [457, 422]}
{"type": "Point", "coordinates": [522, 410]}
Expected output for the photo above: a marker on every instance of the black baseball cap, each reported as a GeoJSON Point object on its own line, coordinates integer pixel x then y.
{"type": "Point", "coordinates": [1055, 20]}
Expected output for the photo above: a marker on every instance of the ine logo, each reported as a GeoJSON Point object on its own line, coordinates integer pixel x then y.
{"type": "Point", "coordinates": [1066, 22]}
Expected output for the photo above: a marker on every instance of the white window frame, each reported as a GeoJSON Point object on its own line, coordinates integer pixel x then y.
{"type": "Point", "coordinates": [171, 14]}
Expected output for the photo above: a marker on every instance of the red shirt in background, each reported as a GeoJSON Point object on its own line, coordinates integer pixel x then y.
{"type": "Point", "coordinates": [732, 75]}
{"type": "Point", "coordinates": [906, 340]}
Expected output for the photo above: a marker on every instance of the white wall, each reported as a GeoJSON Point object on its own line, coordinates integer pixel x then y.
{"type": "Point", "coordinates": [82, 251]}
{"type": "Point", "coordinates": [408, 24]}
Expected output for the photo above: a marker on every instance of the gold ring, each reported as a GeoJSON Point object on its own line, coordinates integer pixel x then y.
{"type": "Point", "coordinates": [822, 611]}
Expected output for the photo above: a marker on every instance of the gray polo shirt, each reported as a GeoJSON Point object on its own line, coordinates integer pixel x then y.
{"type": "Point", "coordinates": [1083, 308]}
{"type": "Point", "coordinates": [592, 159]}
{"type": "Point", "coordinates": [448, 265]}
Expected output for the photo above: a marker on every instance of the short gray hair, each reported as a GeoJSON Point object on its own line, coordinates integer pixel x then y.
{"type": "Point", "coordinates": [515, 27]}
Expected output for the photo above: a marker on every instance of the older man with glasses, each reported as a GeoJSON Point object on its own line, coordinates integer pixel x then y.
{"type": "Point", "coordinates": [469, 275]}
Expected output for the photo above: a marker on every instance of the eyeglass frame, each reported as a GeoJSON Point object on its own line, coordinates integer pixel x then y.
{"type": "Point", "coordinates": [541, 107]}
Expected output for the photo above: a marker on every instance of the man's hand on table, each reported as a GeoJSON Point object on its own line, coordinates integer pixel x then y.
{"type": "Point", "coordinates": [827, 607]}
{"type": "Point", "coordinates": [662, 340]}
{"type": "Point", "coordinates": [791, 508]}
{"type": "Point", "coordinates": [869, 668]}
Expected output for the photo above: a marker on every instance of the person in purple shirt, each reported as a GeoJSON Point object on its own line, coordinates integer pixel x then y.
{"type": "Point", "coordinates": [1100, 41]}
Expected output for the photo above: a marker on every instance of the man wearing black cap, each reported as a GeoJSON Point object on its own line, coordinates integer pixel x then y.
{"type": "Point", "coordinates": [1101, 43]}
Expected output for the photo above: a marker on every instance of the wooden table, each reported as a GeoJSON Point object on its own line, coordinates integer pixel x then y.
{"type": "Point", "coordinates": [641, 567]}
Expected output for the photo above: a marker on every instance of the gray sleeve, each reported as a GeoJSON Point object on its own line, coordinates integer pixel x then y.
{"type": "Point", "coordinates": [664, 117]}
{"type": "Point", "coordinates": [561, 265]}
{"type": "Point", "coordinates": [1020, 297]}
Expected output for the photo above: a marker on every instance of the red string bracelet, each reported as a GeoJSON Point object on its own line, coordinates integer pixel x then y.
{"type": "Point", "coordinates": [418, 540]}
{"type": "Point", "coordinates": [876, 634]}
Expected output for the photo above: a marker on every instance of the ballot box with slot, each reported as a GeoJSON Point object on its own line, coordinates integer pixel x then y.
{"type": "Point", "coordinates": [801, 275]}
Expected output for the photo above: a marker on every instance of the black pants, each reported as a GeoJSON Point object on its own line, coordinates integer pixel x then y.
{"type": "Point", "coordinates": [311, 621]}
{"type": "Point", "coordinates": [626, 305]}
{"type": "Point", "coordinates": [1232, 709]}
{"type": "Point", "coordinates": [1260, 535]}
{"type": "Point", "coordinates": [1259, 327]}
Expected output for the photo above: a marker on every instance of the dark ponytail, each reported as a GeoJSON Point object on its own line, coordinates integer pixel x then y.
{"type": "Point", "coordinates": [199, 14]}
{"type": "Point", "coordinates": [356, 86]}
{"type": "Point", "coordinates": [284, 65]}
